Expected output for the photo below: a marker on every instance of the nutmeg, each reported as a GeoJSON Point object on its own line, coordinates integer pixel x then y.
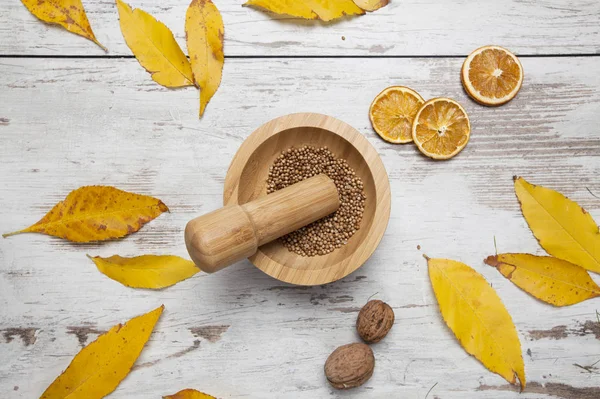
{"type": "Point", "coordinates": [350, 366]}
{"type": "Point", "coordinates": [374, 321]}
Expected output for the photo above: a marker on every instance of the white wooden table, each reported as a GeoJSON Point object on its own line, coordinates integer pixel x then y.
{"type": "Point", "coordinates": [71, 115]}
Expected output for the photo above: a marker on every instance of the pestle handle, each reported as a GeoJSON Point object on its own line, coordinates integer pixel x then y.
{"type": "Point", "coordinates": [232, 233]}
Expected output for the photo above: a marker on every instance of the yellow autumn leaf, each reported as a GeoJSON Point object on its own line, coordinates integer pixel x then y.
{"type": "Point", "coordinates": [325, 10]}
{"type": "Point", "coordinates": [563, 228]}
{"type": "Point", "coordinates": [477, 317]}
{"type": "Point", "coordinates": [99, 367]}
{"type": "Point", "coordinates": [154, 46]}
{"type": "Point", "coordinates": [189, 394]}
{"type": "Point", "coordinates": [67, 13]}
{"type": "Point", "coordinates": [97, 213]}
{"type": "Point", "coordinates": [549, 279]}
{"type": "Point", "coordinates": [371, 5]}
{"type": "Point", "coordinates": [204, 35]}
{"type": "Point", "coordinates": [146, 271]}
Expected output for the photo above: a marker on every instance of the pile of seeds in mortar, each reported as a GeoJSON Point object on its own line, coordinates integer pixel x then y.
{"type": "Point", "coordinates": [330, 232]}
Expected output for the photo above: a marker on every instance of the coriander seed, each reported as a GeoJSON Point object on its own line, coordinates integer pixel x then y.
{"type": "Point", "coordinates": [331, 232]}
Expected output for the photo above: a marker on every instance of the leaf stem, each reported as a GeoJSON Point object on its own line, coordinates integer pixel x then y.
{"type": "Point", "coordinates": [100, 45]}
{"type": "Point", "coordinates": [14, 233]}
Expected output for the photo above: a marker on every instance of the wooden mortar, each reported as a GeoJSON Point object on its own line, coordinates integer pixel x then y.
{"type": "Point", "coordinates": [245, 190]}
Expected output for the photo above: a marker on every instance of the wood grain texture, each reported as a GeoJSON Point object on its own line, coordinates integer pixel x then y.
{"type": "Point", "coordinates": [220, 238]}
{"type": "Point", "coordinates": [240, 333]}
{"type": "Point", "coordinates": [246, 180]}
{"type": "Point", "coordinates": [403, 27]}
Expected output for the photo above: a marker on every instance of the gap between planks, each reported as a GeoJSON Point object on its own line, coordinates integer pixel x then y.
{"type": "Point", "coordinates": [569, 55]}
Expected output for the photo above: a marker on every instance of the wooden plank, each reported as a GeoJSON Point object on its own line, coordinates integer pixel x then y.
{"type": "Point", "coordinates": [406, 27]}
{"type": "Point", "coordinates": [239, 333]}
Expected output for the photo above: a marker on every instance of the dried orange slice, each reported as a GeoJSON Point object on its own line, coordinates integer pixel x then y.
{"type": "Point", "coordinates": [392, 113]}
{"type": "Point", "coordinates": [441, 128]}
{"type": "Point", "coordinates": [492, 75]}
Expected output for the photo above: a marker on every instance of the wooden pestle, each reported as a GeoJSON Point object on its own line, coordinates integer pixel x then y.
{"type": "Point", "coordinates": [227, 235]}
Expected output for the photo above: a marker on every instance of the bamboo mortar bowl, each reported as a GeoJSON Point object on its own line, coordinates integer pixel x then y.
{"type": "Point", "coordinates": [246, 181]}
